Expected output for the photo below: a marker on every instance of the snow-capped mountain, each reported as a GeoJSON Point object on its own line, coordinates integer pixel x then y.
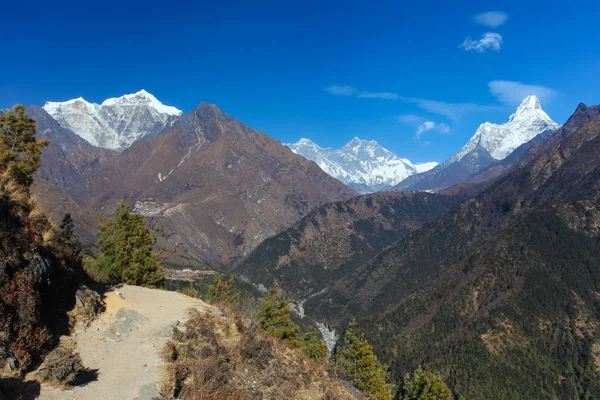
{"type": "Point", "coordinates": [500, 140]}
{"type": "Point", "coordinates": [490, 143]}
{"type": "Point", "coordinates": [362, 164]}
{"type": "Point", "coordinates": [116, 123]}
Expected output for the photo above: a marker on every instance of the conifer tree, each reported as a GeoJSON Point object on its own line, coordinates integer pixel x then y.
{"type": "Point", "coordinates": [360, 365]}
{"type": "Point", "coordinates": [425, 385]}
{"type": "Point", "coordinates": [275, 316]}
{"type": "Point", "coordinates": [313, 345]}
{"type": "Point", "coordinates": [20, 152]}
{"type": "Point", "coordinates": [125, 249]}
{"type": "Point", "coordinates": [66, 240]}
{"type": "Point", "coordinates": [222, 291]}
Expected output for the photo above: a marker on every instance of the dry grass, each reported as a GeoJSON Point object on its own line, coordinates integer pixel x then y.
{"type": "Point", "coordinates": [16, 193]}
{"type": "Point", "coordinates": [48, 235]}
{"type": "Point", "coordinates": [36, 215]}
{"type": "Point", "coordinates": [229, 357]}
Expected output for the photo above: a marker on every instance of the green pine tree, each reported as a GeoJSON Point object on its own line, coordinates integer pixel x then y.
{"type": "Point", "coordinates": [425, 385]}
{"type": "Point", "coordinates": [275, 316]}
{"type": "Point", "coordinates": [358, 363]}
{"type": "Point", "coordinates": [20, 152]}
{"type": "Point", "coordinates": [221, 291]}
{"type": "Point", "coordinates": [125, 249]}
{"type": "Point", "coordinates": [313, 345]}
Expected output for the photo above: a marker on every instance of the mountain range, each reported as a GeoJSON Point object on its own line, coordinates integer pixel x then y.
{"type": "Point", "coordinates": [364, 165]}
{"type": "Point", "coordinates": [199, 178]}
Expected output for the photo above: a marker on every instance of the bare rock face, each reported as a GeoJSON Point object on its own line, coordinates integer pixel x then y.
{"type": "Point", "coordinates": [68, 157]}
{"type": "Point", "coordinates": [213, 186]}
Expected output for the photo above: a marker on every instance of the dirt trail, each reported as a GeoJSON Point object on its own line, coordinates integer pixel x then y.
{"type": "Point", "coordinates": [121, 348]}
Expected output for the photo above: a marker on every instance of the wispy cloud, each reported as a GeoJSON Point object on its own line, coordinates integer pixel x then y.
{"type": "Point", "coordinates": [341, 90]}
{"type": "Point", "coordinates": [411, 119]}
{"type": "Point", "coordinates": [493, 19]}
{"type": "Point", "coordinates": [512, 93]}
{"type": "Point", "coordinates": [453, 111]}
{"type": "Point", "coordinates": [378, 95]}
{"type": "Point", "coordinates": [489, 41]}
{"type": "Point", "coordinates": [431, 126]}
{"type": "Point", "coordinates": [345, 90]}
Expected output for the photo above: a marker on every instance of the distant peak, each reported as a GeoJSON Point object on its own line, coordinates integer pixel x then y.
{"type": "Point", "coordinates": [530, 103]}
{"type": "Point", "coordinates": [356, 141]}
{"type": "Point", "coordinates": [304, 141]}
{"type": "Point", "coordinates": [143, 92]}
{"type": "Point", "coordinates": [530, 109]}
{"type": "Point", "coordinates": [581, 107]}
{"type": "Point", "coordinates": [208, 106]}
{"type": "Point", "coordinates": [210, 111]}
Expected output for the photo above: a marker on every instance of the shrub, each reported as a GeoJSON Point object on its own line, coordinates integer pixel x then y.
{"type": "Point", "coordinates": [222, 291]}
{"type": "Point", "coordinates": [60, 367]}
{"type": "Point", "coordinates": [424, 385]}
{"type": "Point", "coordinates": [313, 345]}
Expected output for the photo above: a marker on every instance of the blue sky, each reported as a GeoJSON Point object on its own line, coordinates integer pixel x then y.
{"type": "Point", "coordinates": [326, 70]}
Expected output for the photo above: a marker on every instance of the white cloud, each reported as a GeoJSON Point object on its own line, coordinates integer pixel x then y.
{"type": "Point", "coordinates": [493, 19]}
{"type": "Point", "coordinates": [512, 93]}
{"type": "Point", "coordinates": [378, 95]}
{"type": "Point", "coordinates": [431, 126]}
{"type": "Point", "coordinates": [341, 90]}
{"type": "Point", "coordinates": [453, 111]}
{"type": "Point", "coordinates": [488, 41]}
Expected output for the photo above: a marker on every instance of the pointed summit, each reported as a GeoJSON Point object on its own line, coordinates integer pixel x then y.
{"type": "Point", "coordinates": [357, 142]}
{"type": "Point", "coordinates": [305, 142]}
{"type": "Point", "coordinates": [530, 103]}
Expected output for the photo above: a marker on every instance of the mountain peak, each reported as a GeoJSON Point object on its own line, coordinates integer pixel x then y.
{"type": "Point", "coordinates": [356, 141]}
{"type": "Point", "coordinates": [141, 98]}
{"type": "Point", "coordinates": [530, 111]}
{"type": "Point", "coordinates": [304, 141]}
{"type": "Point", "coordinates": [530, 103]}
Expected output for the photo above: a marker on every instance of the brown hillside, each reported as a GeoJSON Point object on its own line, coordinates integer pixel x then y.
{"type": "Point", "coordinates": [213, 185]}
